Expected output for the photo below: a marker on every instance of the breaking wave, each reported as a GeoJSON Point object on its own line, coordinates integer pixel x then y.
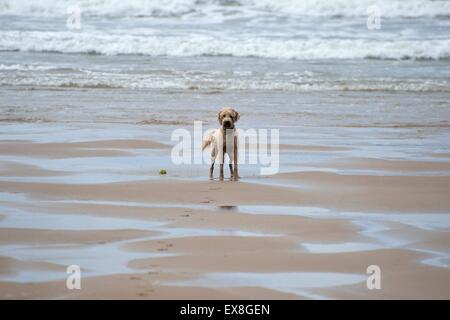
{"type": "Point", "coordinates": [205, 45]}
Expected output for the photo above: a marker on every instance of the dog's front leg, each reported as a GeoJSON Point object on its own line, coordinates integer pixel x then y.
{"type": "Point", "coordinates": [222, 147]}
{"type": "Point", "coordinates": [221, 171]}
{"type": "Point", "coordinates": [235, 173]}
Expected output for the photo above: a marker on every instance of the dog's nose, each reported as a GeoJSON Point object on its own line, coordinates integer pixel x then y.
{"type": "Point", "coordinates": [227, 123]}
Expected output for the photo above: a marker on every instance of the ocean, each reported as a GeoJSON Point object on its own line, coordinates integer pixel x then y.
{"type": "Point", "coordinates": [226, 45]}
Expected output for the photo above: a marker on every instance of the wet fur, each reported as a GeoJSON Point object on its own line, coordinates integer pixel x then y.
{"type": "Point", "coordinates": [227, 118]}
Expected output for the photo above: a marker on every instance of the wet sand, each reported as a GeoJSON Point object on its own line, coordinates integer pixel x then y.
{"type": "Point", "coordinates": [165, 237]}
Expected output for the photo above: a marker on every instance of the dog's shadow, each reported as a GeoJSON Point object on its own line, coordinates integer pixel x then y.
{"type": "Point", "coordinates": [227, 208]}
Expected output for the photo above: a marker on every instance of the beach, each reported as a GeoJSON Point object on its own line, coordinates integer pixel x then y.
{"type": "Point", "coordinates": [87, 122]}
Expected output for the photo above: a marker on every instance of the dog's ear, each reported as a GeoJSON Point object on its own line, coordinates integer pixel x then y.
{"type": "Point", "coordinates": [236, 116]}
{"type": "Point", "coordinates": [220, 116]}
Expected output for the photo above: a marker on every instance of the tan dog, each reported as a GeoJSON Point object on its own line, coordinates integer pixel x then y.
{"type": "Point", "coordinates": [224, 140]}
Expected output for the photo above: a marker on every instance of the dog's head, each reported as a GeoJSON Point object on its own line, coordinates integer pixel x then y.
{"type": "Point", "coordinates": [228, 117]}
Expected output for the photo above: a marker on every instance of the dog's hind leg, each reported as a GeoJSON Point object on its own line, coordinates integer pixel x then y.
{"type": "Point", "coordinates": [211, 171]}
{"type": "Point", "coordinates": [213, 159]}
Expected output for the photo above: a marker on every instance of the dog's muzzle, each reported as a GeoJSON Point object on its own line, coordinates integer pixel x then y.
{"type": "Point", "coordinates": [228, 124]}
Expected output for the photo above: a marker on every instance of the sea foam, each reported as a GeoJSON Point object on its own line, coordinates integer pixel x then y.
{"type": "Point", "coordinates": [228, 8]}
{"type": "Point", "coordinates": [198, 44]}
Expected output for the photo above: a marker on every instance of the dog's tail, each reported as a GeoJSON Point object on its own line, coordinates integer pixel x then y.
{"type": "Point", "coordinates": [207, 140]}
